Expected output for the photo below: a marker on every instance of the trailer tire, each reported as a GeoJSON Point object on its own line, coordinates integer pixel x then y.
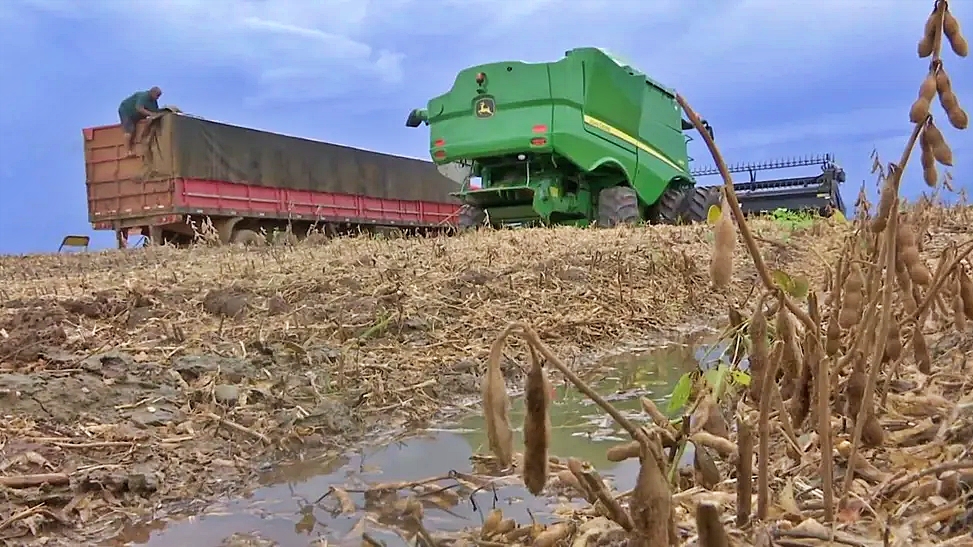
{"type": "Point", "coordinates": [698, 201]}
{"type": "Point", "coordinates": [285, 239]}
{"type": "Point", "coordinates": [470, 217]}
{"type": "Point", "coordinates": [618, 205]}
{"type": "Point", "coordinates": [247, 238]}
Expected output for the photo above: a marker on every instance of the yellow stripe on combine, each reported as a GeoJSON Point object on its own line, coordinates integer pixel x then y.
{"type": "Point", "coordinates": [617, 133]}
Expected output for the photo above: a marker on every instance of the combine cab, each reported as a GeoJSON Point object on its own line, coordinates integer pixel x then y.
{"type": "Point", "coordinates": [586, 139]}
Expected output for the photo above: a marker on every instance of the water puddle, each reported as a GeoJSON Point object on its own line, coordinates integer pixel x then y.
{"type": "Point", "coordinates": [291, 507]}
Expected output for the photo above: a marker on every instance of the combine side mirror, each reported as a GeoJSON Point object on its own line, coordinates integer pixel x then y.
{"type": "Point", "coordinates": [416, 117]}
{"type": "Point", "coordinates": [687, 125]}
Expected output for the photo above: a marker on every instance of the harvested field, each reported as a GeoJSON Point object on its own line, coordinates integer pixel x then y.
{"type": "Point", "coordinates": [911, 482]}
{"type": "Point", "coordinates": [855, 404]}
{"type": "Point", "coordinates": [148, 377]}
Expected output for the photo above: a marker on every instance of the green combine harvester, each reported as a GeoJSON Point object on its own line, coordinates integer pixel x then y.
{"type": "Point", "coordinates": [587, 139]}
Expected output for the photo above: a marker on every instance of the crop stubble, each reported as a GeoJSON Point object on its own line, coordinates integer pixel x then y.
{"type": "Point", "coordinates": [162, 361]}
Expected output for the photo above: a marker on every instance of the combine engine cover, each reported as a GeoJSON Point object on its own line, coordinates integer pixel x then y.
{"type": "Point", "coordinates": [546, 139]}
{"type": "Point", "coordinates": [496, 124]}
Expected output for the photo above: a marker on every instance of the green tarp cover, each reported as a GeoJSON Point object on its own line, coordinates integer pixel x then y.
{"type": "Point", "coordinates": [186, 147]}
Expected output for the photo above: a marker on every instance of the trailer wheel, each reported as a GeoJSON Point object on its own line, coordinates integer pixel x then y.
{"type": "Point", "coordinates": [316, 238]}
{"type": "Point", "coordinates": [618, 205]}
{"type": "Point", "coordinates": [247, 238]}
{"type": "Point", "coordinates": [698, 201]}
{"type": "Point", "coordinates": [470, 217]}
{"type": "Point", "coordinates": [285, 238]}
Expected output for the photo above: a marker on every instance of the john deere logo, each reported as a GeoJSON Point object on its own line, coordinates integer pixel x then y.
{"type": "Point", "coordinates": [485, 107]}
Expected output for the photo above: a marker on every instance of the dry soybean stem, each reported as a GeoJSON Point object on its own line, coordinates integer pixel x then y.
{"type": "Point", "coordinates": [763, 433]}
{"type": "Point", "coordinates": [744, 470]}
{"type": "Point", "coordinates": [820, 536]}
{"type": "Point", "coordinates": [881, 335]}
{"type": "Point", "coordinates": [709, 526]}
{"type": "Point", "coordinates": [823, 390]}
{"type": "Point", "coordinates": [883, 327]}
{"type": "Point", "coordinates": [731, 199]}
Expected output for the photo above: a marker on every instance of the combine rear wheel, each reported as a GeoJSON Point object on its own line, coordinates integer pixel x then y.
{"type": "Point", "coordinates": [685, 205]}
{"type": "Point", "coordinates": [470, 217]}
{"type": "Point", "coordinates": [618, 205]}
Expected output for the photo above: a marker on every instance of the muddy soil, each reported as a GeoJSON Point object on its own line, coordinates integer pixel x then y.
{"type": "Point", "coordinates": [94, 438]}
{"type": "Point", "coordinates": [90, 440]}
{"type": "Point", "coordinates": [295, 504]}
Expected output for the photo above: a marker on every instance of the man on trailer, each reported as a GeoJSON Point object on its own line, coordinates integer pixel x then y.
{"type": "Point", "coordinates": [138, 106]}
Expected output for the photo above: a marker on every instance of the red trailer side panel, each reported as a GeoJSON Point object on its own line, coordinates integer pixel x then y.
{"type": "Point", "coordinates": [230, 199]}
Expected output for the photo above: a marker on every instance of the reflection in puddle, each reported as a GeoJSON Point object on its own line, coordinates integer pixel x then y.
{"type": "Point", "coordinates": [291, 508]}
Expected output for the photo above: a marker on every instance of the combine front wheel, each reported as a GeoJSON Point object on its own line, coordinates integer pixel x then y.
{"type": "Point", "coordinates": [618, 205]}
{"type": "Point", "coordinates": [698, 201]}
{"type": "Point", "coordinates": [667, 209]}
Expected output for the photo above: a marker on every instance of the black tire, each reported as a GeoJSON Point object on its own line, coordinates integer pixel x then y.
{"type": "Point", "coordinates": [618, 205]}
{"type": "Point", "coordinates": [316, 238]}
{"type": "Point", "coordinates": [668, 209]}
{"type": "Point", "coordinates": [470, 217]}
{"type": "Point", "coordinates": [247, 238]}
{"type": "Point", "coordinates": [284, 239]}
{"type": "Point", "coordinates": [698, 201]}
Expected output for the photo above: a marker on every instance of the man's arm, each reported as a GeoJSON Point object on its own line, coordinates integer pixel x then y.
{"type": "Point", "coordinates": [142, 106]}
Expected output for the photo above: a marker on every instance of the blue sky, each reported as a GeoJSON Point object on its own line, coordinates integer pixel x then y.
{"type": "Point", "coordinates": [774, 78]}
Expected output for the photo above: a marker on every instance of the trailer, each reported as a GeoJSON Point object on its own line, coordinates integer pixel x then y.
{"type": "Point", "coordinates": [247, 182]}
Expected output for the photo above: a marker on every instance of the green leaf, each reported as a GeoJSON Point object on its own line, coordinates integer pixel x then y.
{"type": "Point", "coordinates": [797, 286]}
{"type": "Point", "coordinates": [782, 280]}
{"type": "Point", "coordinates": [716, 378]}
{"type": "Point", "coordinates": [801, 287]}
{"type": "Point", "coordinates": [680, 394]}
{"type": "Point", "coordinates": [741, 377]}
